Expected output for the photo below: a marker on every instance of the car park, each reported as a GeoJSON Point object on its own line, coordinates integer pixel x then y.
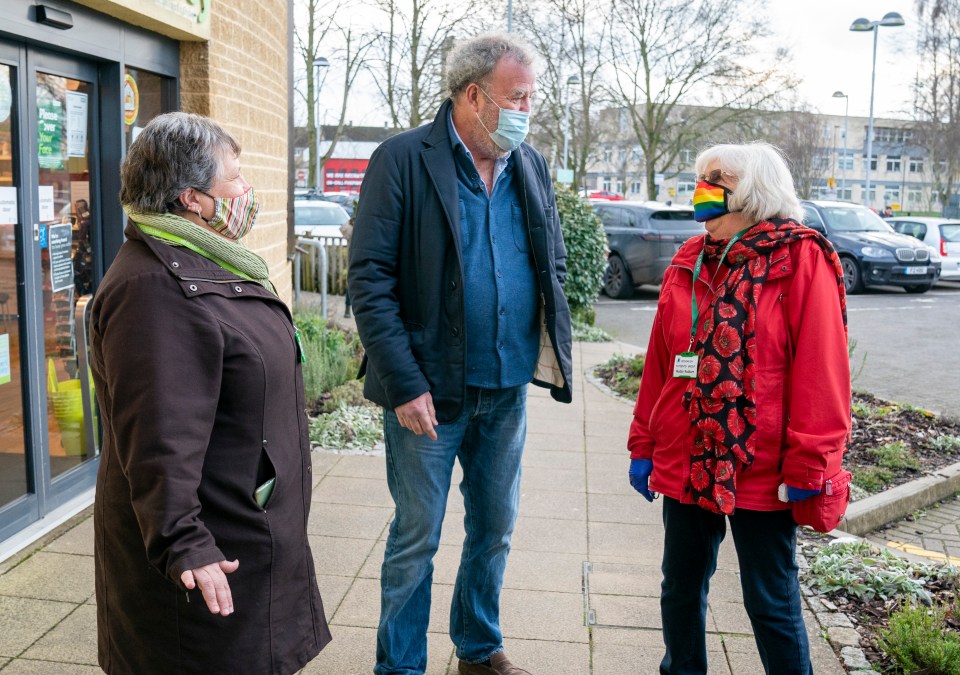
{"type": "Point", "coordinates": [871, 252]}
{"type": "Point", "coordinates": [942, 234]}
{"type": "Point", "coordinates": [318, 218]}
{"type": "Point", "coordinates": [642, 237]}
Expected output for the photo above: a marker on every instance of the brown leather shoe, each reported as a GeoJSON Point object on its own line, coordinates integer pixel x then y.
{"type": "Point", "coordinates": [499, 665]}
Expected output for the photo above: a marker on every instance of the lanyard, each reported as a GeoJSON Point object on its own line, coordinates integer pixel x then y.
{"type": "Point", "coordinates": [694, 310]}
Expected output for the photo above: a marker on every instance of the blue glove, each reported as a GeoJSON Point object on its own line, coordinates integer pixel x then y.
{"type": "Point", "coordinates": [799, 494]}
{"type": "Point", "coordinates": [640, 470]}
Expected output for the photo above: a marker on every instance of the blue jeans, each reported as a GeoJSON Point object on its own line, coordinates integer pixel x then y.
{"type": "Point", "coordinates": [487, 439]}
{"type": "Point", "coordinates": [766, 550]}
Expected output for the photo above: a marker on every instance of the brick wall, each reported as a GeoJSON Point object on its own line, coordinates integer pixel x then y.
{"type": "Point", "coordinates": [240, 79]}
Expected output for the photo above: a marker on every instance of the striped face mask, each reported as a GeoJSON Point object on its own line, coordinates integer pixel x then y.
{"type": "Point", "coordinates": [710, 201]}
{"type": "Point", "coordinates": [233, 217]}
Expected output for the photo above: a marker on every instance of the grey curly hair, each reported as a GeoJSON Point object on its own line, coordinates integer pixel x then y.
{"type": "Point", "coordinates": [173, 152]}
{"type": "Point", "coordinates": [475, 58]}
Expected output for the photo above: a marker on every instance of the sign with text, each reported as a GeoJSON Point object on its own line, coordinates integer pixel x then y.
{"type": "Point", "coordinates": [60, 243]}
{"type": "Point", "coordinates": [76, 124]}
{"type": "Point", "coordinates": [344, 175]}
{"type": "Point", "coordinates": [50, 134]}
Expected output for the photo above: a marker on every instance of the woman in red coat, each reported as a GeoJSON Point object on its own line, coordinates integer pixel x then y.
{"type": "Point", "coordinates": [746, 388]}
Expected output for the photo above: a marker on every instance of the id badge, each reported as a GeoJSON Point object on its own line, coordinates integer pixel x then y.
{"type": "Point", "coordinates": [685, 365]}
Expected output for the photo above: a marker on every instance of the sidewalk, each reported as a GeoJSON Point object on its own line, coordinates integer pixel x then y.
{"type": "Point", "coordinates": [582, 584]}
{"type": "Point", "coordinates": [933, 533]}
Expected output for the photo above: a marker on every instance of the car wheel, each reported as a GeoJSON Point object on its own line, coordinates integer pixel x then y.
{"type": "Point", "coordinates": [852, 280]}
{"type": "Point", "coordinates": [616, 279]}
{"type": "Point", "coordinates": [918, 289]}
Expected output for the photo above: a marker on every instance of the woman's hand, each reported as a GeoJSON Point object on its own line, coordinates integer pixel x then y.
{"type": "Point", "coordinates": [640, 470]}
{"type": "Point", "coordinates": [212, 579]}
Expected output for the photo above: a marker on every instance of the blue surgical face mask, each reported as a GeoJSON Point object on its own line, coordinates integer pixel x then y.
{"type": "Point", "coordinates": [512, 127]}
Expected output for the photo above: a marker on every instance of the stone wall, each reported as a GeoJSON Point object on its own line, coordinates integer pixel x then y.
{"type": "Point", "coordinates": [240, 79]}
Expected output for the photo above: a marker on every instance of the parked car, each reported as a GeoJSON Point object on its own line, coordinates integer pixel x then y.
{"type": "Point", "coordinates": [347, 200]}
{"type": "Point", "coordinates": [643, 238]}
{"type": "Point", "coordinates": [942, 234]}
{"type": "Point", "coordinates": [318, 218]}
{"type": "Point", "coordinates": [870, 251]}
{"type": "Point", "coordinates": [605, 194]}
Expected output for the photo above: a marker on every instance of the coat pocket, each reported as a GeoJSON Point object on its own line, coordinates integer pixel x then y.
{"type": "Point", "coordinates": [825, 511]}
{"type": "Point", "coordinates": [521, 238]}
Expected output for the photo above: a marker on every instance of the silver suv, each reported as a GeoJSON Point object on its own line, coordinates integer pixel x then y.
{"type": "Point", "coordinates": [643, 238]}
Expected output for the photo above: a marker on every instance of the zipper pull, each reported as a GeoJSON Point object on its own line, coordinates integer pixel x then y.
{"type": "Point", "coordinates": [296, 338]}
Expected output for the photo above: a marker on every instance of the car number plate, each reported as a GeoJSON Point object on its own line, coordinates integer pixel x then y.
{"type": "Point", "coordinates": [914, 270]}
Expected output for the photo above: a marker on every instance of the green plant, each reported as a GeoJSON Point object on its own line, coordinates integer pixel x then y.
{"type": "Point", "coordinates": [855, 370]}
{"type": "Point", "coordinates": [872, 478]}
{"type": "Point", "coordinates": [350, 393]}
{"type": "Point", "coordinates": [895, 456]}
{"type": "Point", "coordinates": [332, 356]}
{"type": "Point", "coordinates": [920, 640]}
{"type": "Point", "coordinates": [862, 570]}
{"type": "Point", "coordinates": [586, 246]}
{"type": "Point", "coordinates": [356, 427]}
{"type": "Point", "coordinates": [946, 443]}
{"type": "Point", "coordinates": [583, 332]}
{"type": "Point", "coordinates": [622, 374]}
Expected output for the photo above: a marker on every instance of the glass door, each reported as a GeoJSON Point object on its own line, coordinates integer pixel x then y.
{"type": "Point", "coordinates": [13, 457]}
{"type": "Point", "coordinates": [65, 109]}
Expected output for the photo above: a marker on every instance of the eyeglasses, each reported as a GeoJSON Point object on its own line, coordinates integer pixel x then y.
{"type": "Point", "coordinates": [715, 176]}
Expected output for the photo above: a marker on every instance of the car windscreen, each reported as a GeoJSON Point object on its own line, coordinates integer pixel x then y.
{"type": "Point", "coordinates": [672, 215]}
{"type": "Point", "coordinates": [950, 232]}
{"type": "Point", "coordinates": [318, 215]}
{"type": "Point", "coordinates": [853, 219]}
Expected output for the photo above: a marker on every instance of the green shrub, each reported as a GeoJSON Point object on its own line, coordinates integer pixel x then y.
{"type": "Point", "coordinates": [895, 456]}
{"type": "Point", "coordinates": [586, 245]}
{"type": "Point", "coordinates": [350, 393]}
{"type": "Point", "coordinates": [622, 374]}
{"type": "Point", "coordinates": [357, 427]}
{"type": "Point", "coordinates": [583, 332]}
{"type": "Point", "coordinates": [332, 356]}
{"type": "Point", "coordinates": [920, 640]}
{"type": "Point", "coordinates": [946, 443]}
{"type": "Point", "coordinates": [872, 478]}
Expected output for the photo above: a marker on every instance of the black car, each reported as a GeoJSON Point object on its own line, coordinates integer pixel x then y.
{"type": "Point", "coordinates": [873, 253]}
{"type": "Point", "coordinates": [643, 238]}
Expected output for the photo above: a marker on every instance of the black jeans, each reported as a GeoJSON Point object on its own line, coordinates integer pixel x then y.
{"type": "Point", "coordinates": [766, 550]}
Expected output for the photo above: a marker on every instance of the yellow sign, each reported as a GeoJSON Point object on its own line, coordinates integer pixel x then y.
{"type": "Point", "coordinates": [895, 206]}
{"type": "Point", "coordinates": [131, 100]}
{"type": "Point", "coordinates": [831, 182]}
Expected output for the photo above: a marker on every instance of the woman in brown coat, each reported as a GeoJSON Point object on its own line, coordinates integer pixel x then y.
{"type": "Point", "coordinates": [203, 492]}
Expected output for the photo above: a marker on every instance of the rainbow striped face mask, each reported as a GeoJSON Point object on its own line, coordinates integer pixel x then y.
{"type": "Point", "coordinates": [710, 201]}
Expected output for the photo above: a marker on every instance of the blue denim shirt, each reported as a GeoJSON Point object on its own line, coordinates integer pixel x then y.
{"type": "Point", "coordinates": [500, 286]}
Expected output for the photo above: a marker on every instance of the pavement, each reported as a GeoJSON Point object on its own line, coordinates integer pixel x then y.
{"type": "Point", "coordinates": [582, 584]}
{"type": "Point", "coordinates": [932, 533]}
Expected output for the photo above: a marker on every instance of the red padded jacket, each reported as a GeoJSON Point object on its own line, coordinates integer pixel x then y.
{"type": "Point", "coordinates": [802, 384]}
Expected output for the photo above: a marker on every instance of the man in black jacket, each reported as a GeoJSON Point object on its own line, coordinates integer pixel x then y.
{"type": "Point", "coordinates": [456, 271]}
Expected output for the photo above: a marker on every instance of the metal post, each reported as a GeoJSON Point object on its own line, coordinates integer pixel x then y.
{"type": "Point", "coordinates": [846, 120]}
{"type": "Point", "coordinates": [873, 78]}
{"type": "Point", "coordinates": [321, 253]}
{"type": "Point", "coordinates": [509, 16]}
{"type": "Point", "coordinates": [316, 116]}
{"type": "Point", "coordinates": [566, 130]}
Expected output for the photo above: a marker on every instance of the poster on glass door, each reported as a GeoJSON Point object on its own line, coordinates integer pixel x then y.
{"type": "Point", "coordinates": [76, 123]}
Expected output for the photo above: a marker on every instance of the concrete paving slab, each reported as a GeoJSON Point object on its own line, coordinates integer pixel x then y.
{"type": "Point", "coordinates": [624, 579]}
{"type": "Point", "coordinates": [348, 520]}
{"type": "Point", "coordinates": [73, 640]}
{"type": "Point", "coordinates": [531, 570]}
{"type": "Point", "coordinates": [348, 490]}
{"type": "Point", "coordinates": [745, 663]}
{"type": "Point", "coordinates": [51, 576]}
{"type": "Point", "coordinates": [552, 504]}
{"type": "Point", "coordinates": [608, 474]}
{"type": "Point", "coordinates": [607, 445]}
{"type": "Point", "coordinates": [31, 667]}
{"type": "Point", "coordinates": [616, 434]}
{"type": "Point", "coordinates": [321, 462]}
{"type": "Point", "coordinates": [361, 605]}
{"type": "Point", "coordinates": [623, 508]}
{"type": "Point", "coordinates": [360, 466]}
{"type": "Point", "coordinates": [553, 459]}
{"type": "Point", "coordinates": [549, 535]}
{"type": "Point", "coordinates": [560, 480]}
{"type": "Point", "coordinates": [332, 590]}
{"type": "Point", "coordinates": [626, 542]}
{"type": "Point", "coordinates": [339, 556]}
{"type": "Point", "coordinates": [542, 615]}
{"type": "Point", "coordinates": [543, 657]}
{"type": "Point", "coordinates": [78, 540]}
{"type": "Point", "coordinates": [624, 611]}
{"type": "Point", "coordinates": [629, 658]}
{"type": "Point", "coordinates": [353, 652]}
{"type": "Point", "coordinates": [23, 621]}
{"type": "Point", "coordinates": [730, 617]}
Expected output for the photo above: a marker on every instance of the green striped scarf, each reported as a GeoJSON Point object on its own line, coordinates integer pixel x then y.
{"type": "Point", "coordinates": [229, 255]}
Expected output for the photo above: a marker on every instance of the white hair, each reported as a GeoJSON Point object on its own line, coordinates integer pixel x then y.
{"type": "Point", "coordinates": [764, 188]}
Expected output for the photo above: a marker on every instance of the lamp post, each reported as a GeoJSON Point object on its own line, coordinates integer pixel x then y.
{"type": "Point", "coordinates": [319, 63]}
{"type": "Point", "coordinates": [846, 119]}
{"type": "Point", "coordinates": [572, 81]}
{"type": "Point", "coordinates": [893, 20]}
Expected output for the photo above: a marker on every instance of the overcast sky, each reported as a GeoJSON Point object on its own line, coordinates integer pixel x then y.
{"type": "Point", "coordinates": [826, 55]}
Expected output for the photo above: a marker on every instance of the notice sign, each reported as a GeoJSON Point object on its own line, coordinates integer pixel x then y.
{"type": "Point", "coordinates": [4, 358]}
{"type": "Point", "coordinates": [8, 206]}
{"type": "Point", "coordinates": [45, 200]}
{"type": "Point", "coordinates": [76, 124]}
{"type": "Point", "coordinates": [60, 243]}
{"type": "Point", "coordinates": [131, 100]}
{"type": "Point", "coordinates": [50, 134]}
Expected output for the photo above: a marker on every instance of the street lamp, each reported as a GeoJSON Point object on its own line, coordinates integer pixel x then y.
{"type": "Point", "coordinates": [893, 20]}
{"type": "Point", "coordinates": [846, 119]}
{"type": "Point", "coordinates": [572, 82]}
{"type": "Point", "coordinates": [319, 63]}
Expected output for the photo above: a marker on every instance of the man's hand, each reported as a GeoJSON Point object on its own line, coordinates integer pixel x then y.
{"type": "Point", "coordinates": [212, 579]}
{"type": "Point", "coordinates": [418, 415]}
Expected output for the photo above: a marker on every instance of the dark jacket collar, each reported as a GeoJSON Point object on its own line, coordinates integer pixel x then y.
{"type": "Point", "coordinates": [178, 260]}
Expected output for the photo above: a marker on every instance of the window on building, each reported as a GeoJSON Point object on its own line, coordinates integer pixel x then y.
{"type": "Point", "coordinates": [916, 165]}
{"type": "Point", "coordinates": [873, 163]}
{"type": "Point", "coordinates": [893, 163]}
{"type": "Point", "coordinates": [621, 153]}
{"type": "Point", "coordinates": [891, 195]}
{"type": "Point", "coordinates": [871, 197]}
{"type": "Point", "coordinates": [845, 161]}
{"type": "Point", "coordinates": [914, 198]}
{"type": "Point", "coordinates": [636, 187]}
{"type": "Point", "coordinates": [686, 187]}
{"type": "Point", "coordinates": [942, 166]}
{"type": "Point", "coordinates": [687, 156]}
{"type": "Point", "coordinates": [607, 153]}
{"type": "Point", "coordinates": [606, 183]}
{"type": "Point", "coordinates": [636, 154]}
{"type": "Point", "coordinates": [845, 193]}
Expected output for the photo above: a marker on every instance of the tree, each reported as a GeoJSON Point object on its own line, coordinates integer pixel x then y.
{"type": "Point", "coordinates": [800, 135]}
{"type": "Point", "coordinates": [407, 67]}
{"type": "Point", "coordinates": [937, 93]}
{"type": "Point", "coordinates": [319, 36]}
{"type": "Point", "coordinates": [665, 53]}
